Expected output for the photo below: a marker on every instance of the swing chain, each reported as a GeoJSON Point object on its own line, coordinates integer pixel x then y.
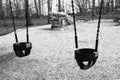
{"type": "Point", "coordinates": [98, 28]}
{"type": "Point", "coordinates": [76, 39]}
{"type": "Point", "coordinates": [16, 38]}
{"type": "Point", "coordinates": [27, 18]}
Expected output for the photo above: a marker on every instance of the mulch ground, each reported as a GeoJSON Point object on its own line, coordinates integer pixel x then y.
{"type": "Point", "coordinates": [52, 55]}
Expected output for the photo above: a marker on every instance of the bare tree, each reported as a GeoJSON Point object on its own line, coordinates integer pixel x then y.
{"type": "Point", "coordinates": [17, 7]}
{"type": "Point", "coordinates": [78, 3]}
{"type": "Point", "coordinates": [117, 3]}
{"type": "Point", "coordinates": [2, 15]}
{"type": "Point", "coordinates": [42, 8]}
{"type": "Point", "coordinates": [29, 22]}
{"type": "Point", "coordinates": [93, 9]}
{"type": "Point", "coordinates": [112, 5]}
{"type": "Point", "coordinates": [59, 5]}
{"type": "Point", "coordinates": [39, 3]}
{"type": "Point", "coordinates": [48, 1]}
{"type": "Point", "coordinates": [63, 6]}
{"type": "Point", "coordinates": [7, 8]}
{"type": "Point", "coordinates": [36, 8]}
{"type": "Point", "coordinates": [0, 8]}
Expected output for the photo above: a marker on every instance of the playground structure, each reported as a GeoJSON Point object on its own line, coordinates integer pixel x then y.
{"type": "Point", "coordinates": [60, 20]}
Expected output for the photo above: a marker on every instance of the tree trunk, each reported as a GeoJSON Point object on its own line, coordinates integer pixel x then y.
{"type": "Point", "coordinates": [108, 6]}
{"type": "Point", "coordinates": [39, 3]}
{"type": "Point", "coordinates": [37, 14]}
{"type": "Point", "coordinates": [89, 4]}
{"type": "Point", "coordinates": [63, 8]}
{"type": "Point", "coordinates": [42, 7]}
{"type": "Point", "coordinates": [93, 9]}
{"type": "Point", "coordinates": [59, 5]}
{"type": "Point", "coordinates": [16, 3]}
{"type": "Point", "coordinates": [7, 9]}
{"type": "Point", "coordinates": [80, 9]}
{"type": "Point", "coordinates": [48, 1]}
{"type": "Point", "coordinates": [2, 14]}
{"type": "Point", "coordinates": [98, 3]}
{"type": "Point", "coordinates": [28, 19]}
{"type": "Point", "coordinates": [0, 8]}
{"type": "Point", "coordinates": [112, 5]}
{"type": "Point", "coordinates": [119, 3]}
{"type": "Point", "coordinates": [115, 3]}
{"type": "Point", "coordinates": [78, 3]}
{"type": "Point", "coordinates": [85, 4]}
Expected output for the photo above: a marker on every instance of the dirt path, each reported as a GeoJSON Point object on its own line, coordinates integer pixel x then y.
{"type": "Point", "coordinates": [52, 56]}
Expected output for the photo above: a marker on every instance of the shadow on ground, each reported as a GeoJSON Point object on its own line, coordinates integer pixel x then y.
{"type": "Point", "coordinates": [15, 68]}
{"type": "Point", "coordinates": [7, 57]}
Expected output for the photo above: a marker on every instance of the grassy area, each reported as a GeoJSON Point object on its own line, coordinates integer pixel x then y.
{"type": "Point", "coordinates": [104, 16]}
{"type": "Point", "coordinates": [52, 56]}
{"type": "Point", "coordinates": [19, 24]}
{"type": "Point", "coordinates": [43, 21]}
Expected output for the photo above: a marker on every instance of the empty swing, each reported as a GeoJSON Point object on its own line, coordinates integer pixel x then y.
{"type": "Point", "coordinates": [87, 55]}
{"type": "Point", "coordinates": [21, 49]}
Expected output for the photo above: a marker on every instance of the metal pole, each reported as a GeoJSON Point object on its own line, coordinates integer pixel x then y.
{"type": "Point", "coordinates": [16, 38]}
{"type": "Point", "coordinates": [98, 28]}
{"type": "Point", "coordinates": [76, 40]}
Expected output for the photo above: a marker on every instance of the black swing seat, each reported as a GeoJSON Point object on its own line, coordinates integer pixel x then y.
{"type": "Point", "coordinates": [86, 55]}
{"type": "Point", "coordinates": [22, 49]}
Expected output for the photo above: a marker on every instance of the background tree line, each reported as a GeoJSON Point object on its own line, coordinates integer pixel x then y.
{"type": "Point", "coordinates": [39, 8]}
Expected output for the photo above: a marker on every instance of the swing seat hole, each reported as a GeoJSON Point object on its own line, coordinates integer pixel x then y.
{"type": "Point", "coordinates": [86, 57]}
{"type": "Point", "coordinates": [22, 49]}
